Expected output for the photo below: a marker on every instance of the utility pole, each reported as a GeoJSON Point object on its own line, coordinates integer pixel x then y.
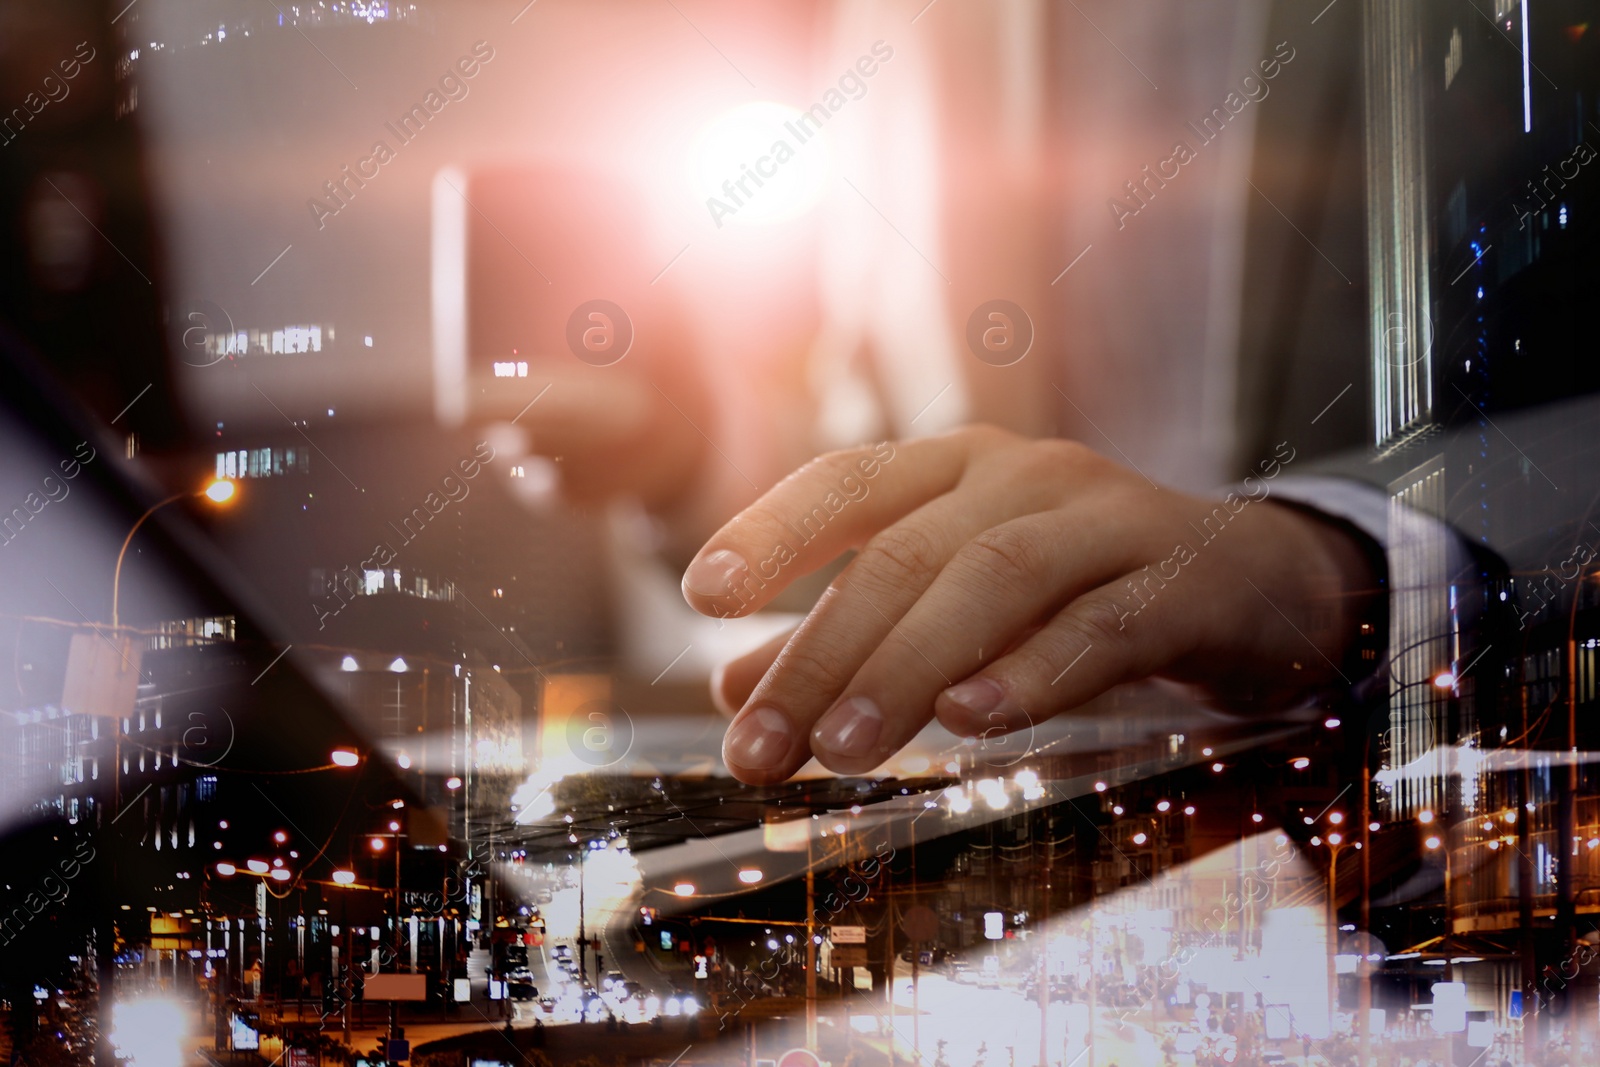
{"type": "Point", "coordinates": [1363, 967]}
{"type": "Point", "coordinates": [1044, 944]}
{"type": "Point", "coordinates": [394, 1005]}
{"type": "Point", "coordinates": [811, 951]}
{"type": "Point", "coordinates": [583, 931]}
{"type": "Point", "coordinates": [916, 959]}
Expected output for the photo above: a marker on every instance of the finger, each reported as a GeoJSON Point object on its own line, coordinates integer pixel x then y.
{"type": "Point", "coordinates": [767, 742]}
{"type": "Point", "coordinates": [985, 599]}
{"type": "Point", "coordinates": [830, 505]}
{"type": "Point", "coordinates": [1090, 646]}
{"type": "Point", "coordinates": [734, 681]}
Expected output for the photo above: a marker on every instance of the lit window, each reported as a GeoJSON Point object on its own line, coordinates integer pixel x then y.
{"type": "Point", "coordinates": [374, 582]}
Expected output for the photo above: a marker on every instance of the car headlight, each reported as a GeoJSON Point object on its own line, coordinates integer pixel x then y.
{"type": "Point", "coordinates": [674, 1006]}
{"type": "Point", "coordinates": [690, 1006]}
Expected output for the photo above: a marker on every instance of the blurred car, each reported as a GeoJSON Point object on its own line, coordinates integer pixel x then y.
{"type": "Point", "coordinates": [1060, 988]}
{"type": "Point", "coordinates": [547, 1005]}
{"type": "Point", "coordinates": [680, 1003]}
{"type": "Point", "coordinates": [961, 971]}
{"type": "Point", "coordinates": [519, 985]}
{"type": "Point", "coordinates": [612, 979]}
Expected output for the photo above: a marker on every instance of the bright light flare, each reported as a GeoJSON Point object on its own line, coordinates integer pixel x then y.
{"type": "Point", "coordinates": [149, 1033]}
{"type": "Point", "coordinates": [345, 757]}
{"type": "Point", "coordinates": [752, 162]}
{"type": "Point", "coordinates": [220, 491]}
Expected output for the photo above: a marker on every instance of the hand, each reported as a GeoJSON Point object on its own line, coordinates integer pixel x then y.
{"type": "Point", "coordinates": [1000, 581]}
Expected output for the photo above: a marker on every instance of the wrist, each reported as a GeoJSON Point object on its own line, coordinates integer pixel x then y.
{"type": "Point", "coordinates": [1345, 589]}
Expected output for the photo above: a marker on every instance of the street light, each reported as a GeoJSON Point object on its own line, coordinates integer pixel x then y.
{"type": "Point", "coordinates": [1335, 841]}
{"type": "Point", "coordinates": [345, 877]}
{"type": "Point", "coordinates": [684, 889]}
{"type": "Point", "coordinates": [218, 492]}
{"type": "Point", "coordinates": [749, 876]}
{"type": "Point", "coordinates": [345, 757]}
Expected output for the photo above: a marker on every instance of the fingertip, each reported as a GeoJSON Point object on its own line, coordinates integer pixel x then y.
{"type": "Point", "coordinates": [965, 709]}
{"type": "Point", "coordinates": [759, 747]}
{"type": "Point", "coordinates": [714, 575]}
{"type": "Point", "coordinates": [981, 707]}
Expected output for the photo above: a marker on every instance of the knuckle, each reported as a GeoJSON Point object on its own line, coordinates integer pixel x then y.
{"type": "Point", "coordinates": [978, 431]}
{"type": "Point", "coordinates": [979, 437]}
{"type": "Point", "coordinates": [1059, 459]}
{"type": "Point", "coordinates": [901, 554]}
{"type": "Point", "coordinates": [1099, 620]}
{"type": "Point", "coordinates": [1007, 556]}
{"type": "Point", "coordinates": [812, 662]}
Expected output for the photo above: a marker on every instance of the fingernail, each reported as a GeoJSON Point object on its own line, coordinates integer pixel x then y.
{"type": "Point", "coordinates": [851, 729]}
{"type": "Point", "coordinates": [760, 740]}
{"type": "Point", "coordinates": [713, 574]}
{"type": "Point", "coordinates": [978, 695]}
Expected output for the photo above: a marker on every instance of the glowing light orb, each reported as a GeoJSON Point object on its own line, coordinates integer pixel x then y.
{"type": "Point", "coordinates": [761, 163]}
